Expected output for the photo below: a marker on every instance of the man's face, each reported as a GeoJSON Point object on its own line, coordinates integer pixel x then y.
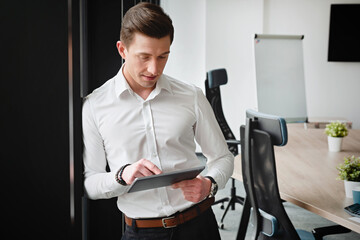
{"type": "Point", "coordinates": [145, 60]}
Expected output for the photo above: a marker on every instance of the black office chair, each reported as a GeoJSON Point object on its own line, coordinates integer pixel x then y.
{"type": "Point", "coordinates": [270, 219]}
{"type": "Point", "coordinates": [216, 78]}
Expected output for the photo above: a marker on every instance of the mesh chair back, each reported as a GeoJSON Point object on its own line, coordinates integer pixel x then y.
{"type": "Point", "coordinates": [214, 97]}
{"type": "Point", "coordinates": [260, 182]}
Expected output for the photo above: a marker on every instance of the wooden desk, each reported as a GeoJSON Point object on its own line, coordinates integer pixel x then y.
{"type": "Point", "coordinates": [307, 173]}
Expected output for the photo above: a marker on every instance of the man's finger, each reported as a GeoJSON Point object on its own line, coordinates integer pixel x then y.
{"type": "Point", "coordinates": [151, 167]}
{"type": "Point", "coordinates": [141, 168]}
{"type": "Point", "coordinates": [143, 172]}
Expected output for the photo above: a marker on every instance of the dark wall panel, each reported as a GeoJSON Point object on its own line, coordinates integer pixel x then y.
{"type": "Point", "coordinates": [34, 121]}
{"type": "Point", "coordinates": [103, 31]}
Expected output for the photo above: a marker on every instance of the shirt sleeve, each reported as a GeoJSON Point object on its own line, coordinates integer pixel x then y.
{"type": "Point", "coordinates": [98, 182]}
{"type": "Point", "coordinates": [220, 161]}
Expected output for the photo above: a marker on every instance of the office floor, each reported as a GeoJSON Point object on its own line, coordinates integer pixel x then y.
{"type": "Point", "coordinates": [301, 218]}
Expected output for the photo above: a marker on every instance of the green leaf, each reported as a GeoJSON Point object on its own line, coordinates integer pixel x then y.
{"type": "Point", "coordinates": [350, 169]}
{"type": "Point", "coordinates": [336, 129]}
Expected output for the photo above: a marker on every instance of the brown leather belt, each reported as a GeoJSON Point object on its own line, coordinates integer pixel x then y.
{"type": "Point", "coordinates": [175, 220]}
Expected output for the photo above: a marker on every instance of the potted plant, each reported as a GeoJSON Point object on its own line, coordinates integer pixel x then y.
{"type": "Point", "coordinates": [336, 131]}
{"type": "Point", "coordinates": [349, 171]}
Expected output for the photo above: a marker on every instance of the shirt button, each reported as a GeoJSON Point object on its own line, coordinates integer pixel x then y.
{"type": "Point", "coordinates": [154, 154]}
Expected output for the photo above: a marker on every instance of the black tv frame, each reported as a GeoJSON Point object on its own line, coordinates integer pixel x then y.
{"type": "Point", "coordinates": [344, 30]}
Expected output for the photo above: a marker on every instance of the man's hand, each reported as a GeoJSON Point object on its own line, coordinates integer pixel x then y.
{"type": "Point", "coordinates": [141, 168]}
{"type": "Point", "coordinates": [196, 189]}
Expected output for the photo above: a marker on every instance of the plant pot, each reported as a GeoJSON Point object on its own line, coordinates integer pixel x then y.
{"type": "Point", "coordinates": [335, 144]}
{"type": "Point", "coordinates": [349, 186]}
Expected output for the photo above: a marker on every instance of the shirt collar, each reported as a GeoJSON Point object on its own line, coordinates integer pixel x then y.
{"type": "Point", "coordinates": [121, 85]}
{"type": "Point", "coordinates": [163, 83]}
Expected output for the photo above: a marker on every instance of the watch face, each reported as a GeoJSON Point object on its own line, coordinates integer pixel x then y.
{"type": "Point", "coordinates": [213, 190]}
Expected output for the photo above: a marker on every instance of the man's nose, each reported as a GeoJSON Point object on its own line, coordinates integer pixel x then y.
{"type": "Point", "coordinates": [153, 67]}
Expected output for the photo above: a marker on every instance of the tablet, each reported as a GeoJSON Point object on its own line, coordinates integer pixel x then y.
{"type": "Point", "coordinates": [164, 179]}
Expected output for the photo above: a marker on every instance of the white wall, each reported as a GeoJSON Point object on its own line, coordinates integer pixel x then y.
{"type": "Point", "coordinates": [213, 34]}
{"type": "Point", "coordinates": [187, 53]}
{"type": "Point", "coordinates": [332, 88]}
{"type": "Point", "coordinates": [230, 28]}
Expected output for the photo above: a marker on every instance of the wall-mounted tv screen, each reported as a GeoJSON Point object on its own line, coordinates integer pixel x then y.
{"type": "Point", "coordinates": [344, 42]}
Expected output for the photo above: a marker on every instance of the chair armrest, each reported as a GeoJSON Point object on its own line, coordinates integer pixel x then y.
{"type": "Point", "coordinates": [233, 141]}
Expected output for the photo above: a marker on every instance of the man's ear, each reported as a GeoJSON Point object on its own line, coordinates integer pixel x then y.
{"type": "Point", "coordinates": [121, 49]}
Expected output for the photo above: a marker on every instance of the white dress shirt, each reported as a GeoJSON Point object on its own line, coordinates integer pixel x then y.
{"type": "Point", "coordinates": [119, 127]}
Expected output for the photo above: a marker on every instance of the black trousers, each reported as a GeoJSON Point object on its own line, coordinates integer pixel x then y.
{"type": "Point", "coordinates": [203, 227]}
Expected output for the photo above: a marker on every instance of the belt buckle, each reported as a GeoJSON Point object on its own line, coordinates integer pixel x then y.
{"type": "Point", "coordinates": [164, 223]}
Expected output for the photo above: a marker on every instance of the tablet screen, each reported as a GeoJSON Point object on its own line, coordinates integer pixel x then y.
{"type": "Point", "coordinates": [164, 179]}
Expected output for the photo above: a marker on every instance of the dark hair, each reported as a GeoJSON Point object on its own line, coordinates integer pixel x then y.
{"type": "Point", "coordinates": [148, 19]}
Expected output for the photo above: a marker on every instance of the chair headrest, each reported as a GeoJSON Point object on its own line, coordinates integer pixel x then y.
{"type": "Point", "coordinates": [274, 125]}
{"type": "Point", "coordinates": [217, 77]}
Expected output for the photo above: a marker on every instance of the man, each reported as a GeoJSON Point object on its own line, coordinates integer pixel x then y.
{"type": "Point", "coordinates": [142, 123]}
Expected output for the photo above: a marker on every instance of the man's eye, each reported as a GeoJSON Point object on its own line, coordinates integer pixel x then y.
{"type": "Point", "coordinates": [144, 57]}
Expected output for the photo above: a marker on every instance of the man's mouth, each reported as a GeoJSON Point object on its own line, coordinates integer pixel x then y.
{"type": "Point", "coordinates": [149, 78]}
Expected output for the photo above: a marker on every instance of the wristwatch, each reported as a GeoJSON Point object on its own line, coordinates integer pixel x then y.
{"type": "Point", "coordinates": [214, 187]}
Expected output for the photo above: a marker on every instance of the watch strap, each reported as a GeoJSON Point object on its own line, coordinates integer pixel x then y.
{"type": "Point", "coordinates": [213, 188]}
{"type": "Point", "coordinates": [211, 179]}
